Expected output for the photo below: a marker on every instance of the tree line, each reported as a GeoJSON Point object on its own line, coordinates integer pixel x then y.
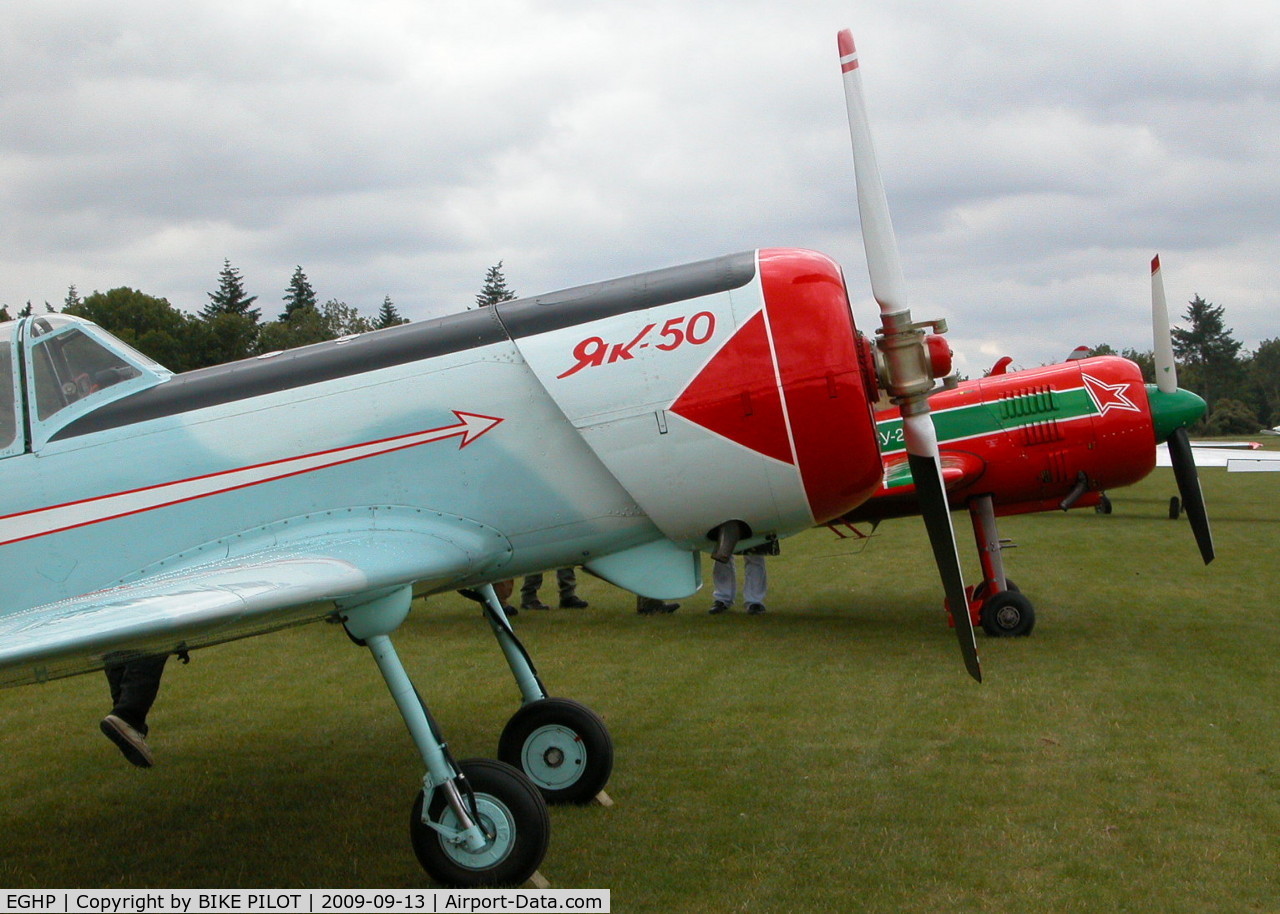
{"type": "Point", "coordinates": [228, 328]}
{"type": "Point", "coordinates": [1242, 389]}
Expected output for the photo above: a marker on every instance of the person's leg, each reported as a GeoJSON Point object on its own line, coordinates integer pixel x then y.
{"type": "Point", "coordinates": [139, 685]}
{"type": "Point", "coordinates": [134, 685]}
{"type": "Point", "coordinates": [529, 590]}
{"type": "Point", "coordinates": [567, 580]}
{"type": "Point", "coordinates": [115, 672]}
{"type": "Point", "coordinates": [725, 584]}
{"type": "Point", "coordinates": [754, 583]}
{"type": "Point", "coordinates": [651, 606]}
{"type": "Point", "coordinates": [502, 590]}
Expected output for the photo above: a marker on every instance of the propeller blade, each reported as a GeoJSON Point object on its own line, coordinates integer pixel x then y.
{"type": "Point", "coordinates": [908, 364]}
{"type": "Point", "coordinates": [926, 472]}
{"type": "Point", "coordinates": [1176, 408]}
{"type": "Point", "coordinates": [883, 263]}
{"type": "Point", "coordinates": [1184, 471]}
{"type": "Point", "coordinates": [1166, 370]}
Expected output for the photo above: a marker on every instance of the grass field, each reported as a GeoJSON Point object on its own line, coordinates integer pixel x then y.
{"type": "Point", "coordinates": [830, 755]}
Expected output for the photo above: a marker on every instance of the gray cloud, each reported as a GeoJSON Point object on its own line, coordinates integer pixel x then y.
{"type": "Point", "coordinates": [1035, 155]}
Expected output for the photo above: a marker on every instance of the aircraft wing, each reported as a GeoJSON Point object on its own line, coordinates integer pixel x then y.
{"type": "Point", "coordinates": [1234, 459]}
{"type": "Point", "coordinates": [959, 468]}
{"type": "Point", "coordinates": [254, 591]}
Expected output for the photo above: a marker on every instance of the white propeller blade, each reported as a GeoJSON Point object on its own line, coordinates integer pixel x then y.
{"type": "Point", "coordinates": [1166, 370]}
{"type": "Point", "coordinates": [906, 359]}
{"type": "Point", "coordinates": [883, 263]}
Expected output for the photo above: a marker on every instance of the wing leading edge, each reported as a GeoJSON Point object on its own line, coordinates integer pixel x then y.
{"type": "Point", "coordinates": [255, 591]}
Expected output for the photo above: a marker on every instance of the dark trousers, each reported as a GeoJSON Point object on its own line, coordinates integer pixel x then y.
{"type": "Point", "coordinates": [566, 580]}
{"type": "Point", "coordinates": [134, 686]}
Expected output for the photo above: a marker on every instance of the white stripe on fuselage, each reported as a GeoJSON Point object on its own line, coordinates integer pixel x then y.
{"type": "Point", "coordinates": [56, 518]}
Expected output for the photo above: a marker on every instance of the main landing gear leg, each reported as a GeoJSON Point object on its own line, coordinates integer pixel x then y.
{"type": "Point", "coordinates": [995, 604]}
{"type": "Point", "coordinates": [475, 823]}
{"type": "Point", "coordinates": [561, 745]}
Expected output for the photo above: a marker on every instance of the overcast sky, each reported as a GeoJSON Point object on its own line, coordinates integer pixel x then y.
{"type": "Point", "coordinates": [1035, 154]}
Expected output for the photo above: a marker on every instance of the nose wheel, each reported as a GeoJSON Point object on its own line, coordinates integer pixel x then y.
{"type": "Point", "coordinates": [1007, 614]}
{"type": "Point", "coordinates": [563, 747]}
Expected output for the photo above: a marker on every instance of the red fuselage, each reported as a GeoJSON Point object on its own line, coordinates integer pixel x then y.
{"type": "Point", "coordinates": [1028, 439]}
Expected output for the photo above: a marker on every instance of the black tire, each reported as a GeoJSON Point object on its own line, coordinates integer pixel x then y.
{"type": "Point", "coordinates": [1103, 506]}
{"type": "Point", "coordinates": [510, 808]}
{"type": "Point", "coordinates": [1008, 614]}
{"type": "Point", "coordinates": [1175, 508]}
{"type": "Point", "coordinates": [980, 592]}
{"type": "Point", "coordinates": [562, 746]}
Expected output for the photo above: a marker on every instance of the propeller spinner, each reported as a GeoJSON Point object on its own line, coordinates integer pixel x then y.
{"type": "Point", "coordinates": [1172, 410]}
{"type": "Point", "coordinates": [910, 358]}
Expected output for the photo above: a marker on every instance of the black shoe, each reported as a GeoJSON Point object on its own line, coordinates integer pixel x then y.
{"type": "Point", "coordinates": [129, 741]}
{"type": "Point", "coordinates": [573, 603]}
{"type": "Point", "coordinates": [755, 609]}
{"type": "Point", "coordinates": [718, 607]}
{"type": "Point", "coordinates": [657, 608]}
{"type": "Point", "coordinates": [510, 610]}
{"type": "Point", "coordinates": [534, 604]}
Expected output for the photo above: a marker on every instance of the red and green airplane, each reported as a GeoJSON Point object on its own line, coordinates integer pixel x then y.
{"type": "Point", "coordinates": [1043, 439]}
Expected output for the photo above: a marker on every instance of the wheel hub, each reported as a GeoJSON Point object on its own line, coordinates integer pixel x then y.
{"type": "Point", "coordinates": [1008, 617]}
{"type": "Point", "coordinates": [554, 756]}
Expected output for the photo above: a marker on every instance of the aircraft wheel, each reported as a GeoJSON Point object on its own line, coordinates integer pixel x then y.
{"type": "Point", "coordinates": [1103, 506]}
{"type": "Point", "coordinates": [562, 746]}
{"type": "Point", "coordinates": [1175, 508]}
{"type": "Point", "coordinates": [980, 592]}
{"type": "Point", "coordinates": [511, 810]}
{"type": "Point", "coordinates": [1008, 614]}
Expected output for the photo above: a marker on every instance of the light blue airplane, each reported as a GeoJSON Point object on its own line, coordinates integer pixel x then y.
{"type": "Point", "coordinates": [623, 426]}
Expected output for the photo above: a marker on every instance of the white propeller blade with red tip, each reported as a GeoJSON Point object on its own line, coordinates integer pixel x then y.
{"type": "Point", "coordinates": [1166, 370]}
{"type": "Point", "coordinates": [908, 363]}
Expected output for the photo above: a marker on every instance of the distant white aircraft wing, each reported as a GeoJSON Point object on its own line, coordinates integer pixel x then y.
{"type": "Point", "coordinates": [227, 598]}
{"type": "Point", "coordinates": [1234, 459]}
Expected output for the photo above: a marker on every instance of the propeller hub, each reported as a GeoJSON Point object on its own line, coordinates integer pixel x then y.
{"type": "Point", "coordinates": [1174, 410]}
{"type": "Point", "coordinates": [910, 359]}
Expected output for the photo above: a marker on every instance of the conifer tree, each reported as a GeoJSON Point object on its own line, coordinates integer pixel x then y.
{"type": "Point", "coordinates": [230, 297]}
{"type": "Point", "coordinates": [299, 295]}
{"type": "Point", "coordinates": [388, 316]}
{"type": "Point", "coordinates": [495, 287]}
{"type": "Point", "coordinates": [1210, 355]}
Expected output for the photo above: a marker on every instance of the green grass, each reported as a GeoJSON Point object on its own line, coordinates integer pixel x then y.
{"type": "Point", "coordinates": [830, 755]}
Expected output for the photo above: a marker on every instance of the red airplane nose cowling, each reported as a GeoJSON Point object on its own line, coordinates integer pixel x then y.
{"type": "Point", "coordinates": [789, 384]}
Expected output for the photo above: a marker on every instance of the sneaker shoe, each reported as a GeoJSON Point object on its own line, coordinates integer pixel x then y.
{"type": "Point", "coordinates": [534, 604]}
{"type": "Point", "coordinates": [656, 608]}
{"type": "Point", "coordinates": [574, 603]}
{"type": "Point", "coordinates": [128, 740]}
{"type": "Point", "coordinates": [718, 607]}
{"type": "Point", "coordinates": [755, 609]}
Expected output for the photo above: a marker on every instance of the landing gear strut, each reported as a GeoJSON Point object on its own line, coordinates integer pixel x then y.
{"type": "Point", "coordinates": [478, 823]}
{"type": "Point", "coordinates": [562, 746]}
{"type": "Point", "coordinates": [996, 604]}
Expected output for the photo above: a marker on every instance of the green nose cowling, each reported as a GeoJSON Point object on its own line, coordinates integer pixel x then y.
{"type": "Point", "coordinates": [1170, 412]}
